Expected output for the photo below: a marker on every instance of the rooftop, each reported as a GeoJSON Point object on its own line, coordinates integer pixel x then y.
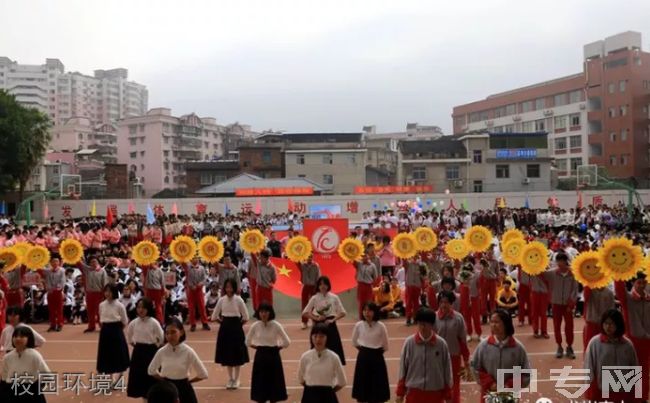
{"type": "Point", "coordinates": [248, 181]}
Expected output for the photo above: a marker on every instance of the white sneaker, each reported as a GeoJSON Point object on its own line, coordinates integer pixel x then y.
{"type": "Point", "coordinates": [230, 384]}
{"type": "Point", "coordinates": [235, 384]}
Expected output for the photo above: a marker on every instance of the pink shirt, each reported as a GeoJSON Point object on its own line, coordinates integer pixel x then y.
{"type": "Point", "coordinates": [386, 256]}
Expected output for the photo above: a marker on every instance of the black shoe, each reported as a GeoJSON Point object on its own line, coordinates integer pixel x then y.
{"type": "Point", "coordinates": [206, 326]}
{"type": "Point", "coordinates": [58, 328]}
{"type": "Point", "coordinates": [193, 328]}
{"type": "Point", "coordinates": [89, 330]}
{"type": "Point", "coordinates": [408, 322]}
{"type": "Point", "coordinates": [51, 329]}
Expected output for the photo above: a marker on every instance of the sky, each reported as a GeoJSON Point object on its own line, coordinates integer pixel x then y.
{"type": "Point", "coordinates": [307, 66]}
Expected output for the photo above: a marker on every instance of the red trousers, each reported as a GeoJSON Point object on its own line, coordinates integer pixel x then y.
{"type": "Point", "coordinates": [364, 294]}
{"type": "Point", "coordinates": [423, 396]}
{"type": "Point", "coordinates": [196, 300]}
{"type": "Point", "coordinates": [264, 295]}
{"type": "Point", "coordinates": [590, 330]}
{"type": "Point", "coordinates": [563, 312]}
{"type": "Point", "coordinates": [538, 305]}
{"type": "Point", "coordinates": [307, 292]}
{"type": "Point", "coordinates": [93, 299]}
{"type": "Point", "coordinates": [253, 285]}
{"type": "Point", "coordinates": [488, 295]}
{"type": "Point", "coordinates": [157, 296]}
{"type": "Point", "coordinates": [55, 307]}
{"type": "Point", "coordinates": [455, 372]}
{"type": "Point", "coordinates": [642, 348]}
{"type": "Point", "coordinates": [15, 298]}
{"type": "Point", "coordinates": [523, 295]}
{"type": "Point", "coordinates": [472, 317]}
{"type": "Point", "coordinates": [412, 300]}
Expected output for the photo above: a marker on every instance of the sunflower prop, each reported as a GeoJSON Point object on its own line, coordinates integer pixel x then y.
{"type": "Point", "coordinates": [182, 249]}
{"type": "Point", "coordinates": [22, 248]}
{"type": "Point", "coordinates": [478, 238]}
{"type": "Point", "coordinates": [10, 257]}
{"type": "Point", "coordinates": [587, 272]}
{"type": "Point", "coordinates": [37, 257]}
{"type": "Point", "coordinates": [351, 250]}
{"type": "Point", "coordinates": [405, 246]}
{"type": "Point", "coordinates": [210, 249]}
{"type": "Point", "coordinates": [645, 264]}
{"type": "Point", "coordinates": [457, 249]}
{"type": "Point", "coordinates": [511, 253]}
{"type": "Point", "coordinates": [620, 258]}
{"type": "Point", "coordinates": [71, 251]}
{"type": "Point", "coordinates": [534, 258]}
{"type": "Point", "coordinates": [298, 249]}
{"type": "Point", "coordinates": [425, 239]}
{"type": "Point", "coordinates": [252, 241]}
{"type": "Point", "coordinates": [146, 253]}
{"type": "Point", "coordinates": [511, 234]}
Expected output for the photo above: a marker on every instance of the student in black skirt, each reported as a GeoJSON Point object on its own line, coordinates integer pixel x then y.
{"type": "Point", "coordinates": [146, 336]}
{"type": "Point", "coordinates": [112, 352]}
{"type": "Point", "coordinates": [21, 367]}
{"type": "Point", "coordinates": [231, 313]}
{"type": "Point", "coordinates": [326, 307]}
{"type": "Point", "coordinates": [320, 371]}
{"type": "Point", "coordinates": [370, 337]}
{"type": "Point", "coordinates": [267, 337]}
{"type": "Point", "coordinates": [163, 392]}
{"type": "Point", "coordinates": [174, 361]}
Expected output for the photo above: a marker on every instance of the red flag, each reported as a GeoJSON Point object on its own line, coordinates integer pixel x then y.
{"type": "Point", "coordinates": [258, 207]}
{"type": "Point", "coordinates": [290, 205]}
{"type": "Point", "coordinates": [341, 274]}
{"type": "Point", "coordinates": [174, 209]}
{"type": "Point", "coordinates": [131, 208]}
{"type": "Point", "coordinates": [579, 199]}
{"type": "Point", "coordinates": [109, 216]}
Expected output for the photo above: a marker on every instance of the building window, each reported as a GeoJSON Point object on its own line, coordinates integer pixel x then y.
{"type": "Point", "coordinates": [453, 172]}
{"type": "Point", "coordinates": [511, 109]}
{"type": "Point", "coordinates": [560, 122]}
{"type": "Point", "coordinates": [509, 128]}
{"type": "Point", "coordinates": [300, 159]}
{"type": "Point", "coordinates": [133, 155]}
{"type": "Point", "coordinates": [625, 158]}
{"type": "Point", "coordinates": [166, 153]}
{"type": "Point", "coordinates": [166, 165]}
{"type": "Point", "coordinates": [532, 170]}
{"type": "Point", "coordinates": [611, 87]}
{"type": "Point", "coordinates": [621, 85]}
{"type": "Point", "coordinates": [575, 163]}
{"type": "Point", "coordinates": [612, 160]}
{"type": "Point", "coordinates": [206, 179]}
{"type": "Point", "coordinates": [133, 129]}
{"type": "Point", "coordinates": [575, 141]}
{"type": "Point", "coordinates": [266, 157]}
{"type": "Point", "coordinates": [575, 96]}
{"type": "Point", "coordinates": [624, 135]}
{"type": "Point", "coordinates": [142, 153]}
{"type": "Point", "coordinates": [327, 159]}
{"type": "Point", "coordinates": [574, 119]}
{"type": "Point", "coordinates": [540, 125]}
{"type": "Point", "coordinates": [132, 141]}
{"type": "Point", "coordinates": [611, 112]}
{"type": "Point", "coordinates": [612, 137]}
{"type": "Point", "coordinates": [478, 157]}
{"type": "Point", "coordinates": [478, 186]}
{"type": "Point", "coordinates": [559, 99]}
{"type": "Point", "coordinates": [503, 171]}
{"type": "Point", "coordinates": [561, 165]}
{"type": "Point", "coordinates": [526, 106]}
{"type": "Point", "coordinates": [328, 179]}
{"type": "Point", "coordinates": [560, 143]}
{"type": "Point", "coordinates": [623, 110]}
{"type": "Point", "coordinates": [527, 127]}
{"type": "Point", "coordinates": [166, 179]}
{"type": "Point", "coordinates": [539, 104]}
{"type": "Point", "coordinates": [419, 173]}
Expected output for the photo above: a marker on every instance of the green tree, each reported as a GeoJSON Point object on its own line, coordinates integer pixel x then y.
{"type": "Point", "coordinates": [24, 138]}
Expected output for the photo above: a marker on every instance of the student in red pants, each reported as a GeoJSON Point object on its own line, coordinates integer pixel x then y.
{"type": "Point", "coordinates": [489, 270]}
{"type": "Point", "coordinates": [54, 284]}
{"type": "Point", "coordinates": [469, 301]}
{"type": "Point", "coordinates": [154, 289]}
{"type": "Point", "coordinates": [366, 275]}
{"type": "Point", "coordinates": [95, 279]}
{"type": "Point", "coordinates": [266, 279]}
{"type": "Point", "coordinates": [538, 306]}
{"type": "Point", "coordinates": [563, 290]}
{"type": "Point", "coordinates": [196, 276]}
{"type": "Point", "coordinates": [413, 288]}
{"type": "Point", "coordinates": [15, 295]}
{"type": "Point", "coordinates": [523, 296]}
{"type": "Point", "coordinates": [309, 274]}
{"type": "Point", "coordinates": [597, 302]}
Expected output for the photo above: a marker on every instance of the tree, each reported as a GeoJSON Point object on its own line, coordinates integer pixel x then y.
{"type": "Point", "coordinates": [24, 138]}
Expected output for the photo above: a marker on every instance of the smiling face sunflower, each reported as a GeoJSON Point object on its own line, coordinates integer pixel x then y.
{"type": "Point", "coordinates": [587, 272]}
{"type": "Point", "coordinates": [182, 249]}
{"type": "Point", "coordinates": [298, 249]}
{"type": "Point", "coordinates": [10, 258]}
{"type": "Point", "coordinates": [511, 234]}
{"type": "Point", "coordinates": [405, 246]}
{"type": "Point", "coordinates": [457, 249]}
{"type": "Point", "coordinates": [71, 251]}
{"type": "Point", "coordinates": [37, 258]}
{"type": "Point", "coordinates": [425, 239]}
{"type": "Point", "coordinates": [478, 238]}
{"type": "Point", "coordinates": [621, 258]}
{"type": "Point", "coordinates": [210, 249]}
{"type": "Point", "coordinates": [351, 250]}
{"type": "Point", "coordinates": [511, 253]}
{"type": "Point", "coordinates": [252, 241]}
{"type": "Point", "coordinates": [534, 258]}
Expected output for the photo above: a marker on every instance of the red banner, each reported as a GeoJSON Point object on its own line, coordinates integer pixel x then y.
{"type": "Point", "coordinates": [392, 189]}
{"type": "Point", "coordinates": [287, 191]}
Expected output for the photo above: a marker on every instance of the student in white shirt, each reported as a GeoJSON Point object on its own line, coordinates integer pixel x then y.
{"type": "Point", "coordinates": [174, 361]}
{"type": "Point", "coordinates": [320, 371]}
{"type": "Point", "coordinates": [19, 365]}
{"type": "Point", "coordinates": [112, 351]}
{"type": "Point", "coordinates": [370, 337]}
{"type": "Point", "coordinates": [267, 337]}
{"type": "Point", "coordinates": [14, 314]}
{"type": "Point", "coordinates": [231, 313]}
{"type": "Point", "coordinates": [146, 336]}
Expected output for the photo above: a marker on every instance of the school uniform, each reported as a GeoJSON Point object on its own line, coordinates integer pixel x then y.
{"type": "Point", "coordinates": [154, 289]}
{"type": "Point", "coordinates": [370, 374]}
{"type": "Point", "coordinates": [196, 279]}
{"type": "Point", "coordinates": [539, 303]}
{"type": "Point", "coordinates": [603, 352]}
{"type": "Point", "coordinates": [265, 281]}
{"type": "Point", "coordinates": [112, 351]}
{"type": "Point", "coordinates": [231, 343]}
{"type": "Point", "coordinates": [145, 334]}
{"type": "Point", "coordinates": [320, 373]}
{"type": "Point", "coordinates": [226, 273]}
{"type": "Point", "coordinates": [18, 366]}
{"type": "Point", "coordinates": [597, 302]}
{"type": "Point", "coordinates": [54, 284]}
{"type": "Point", "coordinates": [488, 281]}
{"type": "Point", "coordinates": [413, 289]}
{"type": "Point", "coordinates": [94, 281]}
{"type": "Point", "coordinates": [564, 294]}
{"type": "Point", "coordinates": [451, 327]}
{"type": "Point", "coordinates": [365, 276]}
{"type": "Point", "coordinates": [328, 306]}
{"type": "Point", "coordinates": [469, 304]}
{"type": "Point", "coordinates": [523, 296]}
{"type": "Point", "coordinates": [309, 274]}
{"type": "Point", "coordinates": [6, 343]}
{"type": "Point", "coordinates": [173, 364]}
{"type": "Point", "coordinates": [14, 294]}
{"type": "Point", "coordinates": [267, 378]}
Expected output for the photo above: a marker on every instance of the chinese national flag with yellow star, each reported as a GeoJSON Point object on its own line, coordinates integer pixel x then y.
{"type": "Point", "coordinates": [342, 275]}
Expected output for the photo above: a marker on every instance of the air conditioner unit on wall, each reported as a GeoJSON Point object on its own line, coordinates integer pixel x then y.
{"type": "Point", "coordinates": [525, 181]}
{"type": "Point", "coordinates": [458, 184]}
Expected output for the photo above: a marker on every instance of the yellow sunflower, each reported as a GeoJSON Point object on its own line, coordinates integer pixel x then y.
{"type": "Point", "coordinates": [457, 249]}
{"type": "Point", "coordinates": [534, 258]}
{"type": "Point", "coordinates": [587, 272]}
{"type": "Point", "coordinates": [621, 258]}
{"type": "Point", "coordinates": [37, 257]}
{"type": "Point", "coordinates": [645, 264]}
{"type": "Point", "coordinates": [22, 248]}
{"type": "Point", "coordinates": [405, 246]}
{"type": "Point", "coordinates": [511, 234]}
{"type": "Point", "coordinates": [478, 238]}
{"type": "Point", "coordinates": [71, 251]}
{"type": "Point", "coordinates": [252, 241]}
{"type": "Point", "coordinates": [145, 253]}
{"type": "Point", "coordinates": [211, 249]}
{"type": "Point", "coordinates": [298, 249]}
{"type": "Point", "coordinates": [511, 253]}
{"type": "Point", "coordinates": [425, 239]}
{"type": "Point", "coordinates": [10, 257]}
{"type": "Point", "coordinates": [351, 250]}
{"type": "Point", "coordinates": [182, 249]}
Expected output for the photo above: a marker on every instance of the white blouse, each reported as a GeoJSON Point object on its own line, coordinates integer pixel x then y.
{"type": "Point", "coordinates": [321, 369]}
{"type": "Point", "coordinates": [370, 336]}
{"type": "Point", "coordinates": [230, 307]}
{"type": "Point", "coordinates": [6, 343]}
{"type": "Point", "coordinates": [271, 334]}
{"type": "Point", "coordinates": [175, 363]}
{"type": "Point", "coordinates": [28, 362]}
{"type": "Point", "coordinates": [145, 331]}
{"type": "Point", "coordinates": [112, 311]}
{"type": "Point", "coordinates": [324, 305]}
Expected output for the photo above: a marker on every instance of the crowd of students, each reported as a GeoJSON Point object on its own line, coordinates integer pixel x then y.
{"type": "Point", "coordinates": [448, 301]}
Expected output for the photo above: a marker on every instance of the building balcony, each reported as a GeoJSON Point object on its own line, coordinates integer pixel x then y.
{"type": "Point", "coordinates": [595, 115]}
{"type": "Point", "coordinates": [595, 138]}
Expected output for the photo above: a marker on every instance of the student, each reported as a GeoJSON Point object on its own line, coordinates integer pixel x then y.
{"type": "Point", "coordinates": [163, 392]}
{"type": "Point", "coordinates": [309, 274]}
{"type": "Point", "coordinates": [267, 337]}
{"type": "Point", "coordinates": [146, 336]}
{"type": "Point", "coordinates": [79, 307]}
{"type": "Point", "coordinates": [196, 276]}
{"type": "Point", "coordinates": [384, 299]}
{"type": "Point", "coordinates": [597, 302]}
{"type": "Point", "coordinates": [422, 380]}
{"type": "Point", "coordinates": [54, 280]}
{"type": "Point", "coordinates": [413, 288]}
{"type": "Point", "coordinates": [366, 274]}
{"type": "Point", "coordinates": [396, 293]}
{"type": "Point", "coordinates": [22, 361]}
{"type": "Point", "coordinates": [14, 315]}
{"type": "Point", "coordinates": [154, 288]}
{"type": "Point", "coordinates": [112, 350]}
{"type": "Point", "coordinates": [320, 371]}
{"type": "Point", "coordinates": [469, 301]}
{"type": "Point", "coordinates": [94, 279]}
{"type": "Point", "coordinates": [174, 361]}
{"type": "Point", "coordinates": [609, 348]}
{"type": "Point", "coordinates": [231, 313]}
{"type": "Point", "coordinates": [370, 337]}
{"type": "Point", "coordinates": [128, 300]}
{"type": "Point", "coordinates": [507, 298]}
{"type": "Point", "coordinates": [326, 307]}
{"type": "Point", "coordinates": [564, 294]}
{"type": "Point", "coordinates": [266, 277]}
